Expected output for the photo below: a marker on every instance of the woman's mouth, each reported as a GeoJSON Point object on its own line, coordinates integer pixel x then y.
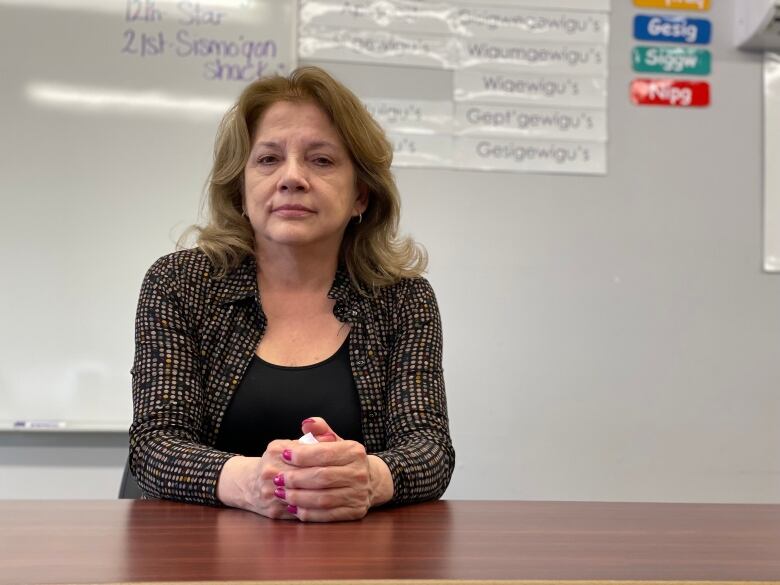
{"type": "Point", "coordinates": [292, 210]}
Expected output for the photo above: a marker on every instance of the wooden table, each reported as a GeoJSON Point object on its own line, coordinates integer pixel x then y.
{"type": "Point", "coordinates": [130, 541]}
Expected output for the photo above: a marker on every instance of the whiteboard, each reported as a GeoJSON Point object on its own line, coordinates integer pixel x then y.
{"type": "Point", "coordinates": [109, 110]}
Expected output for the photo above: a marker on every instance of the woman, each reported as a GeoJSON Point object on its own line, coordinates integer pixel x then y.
{"type": "Point", "coordinates": [300, 311]}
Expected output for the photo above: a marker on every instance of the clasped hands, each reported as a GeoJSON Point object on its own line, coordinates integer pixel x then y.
{"type": "Point", "coordinates": [331, 481]}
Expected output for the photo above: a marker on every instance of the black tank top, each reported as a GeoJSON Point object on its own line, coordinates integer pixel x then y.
{"type": "Point", "coordinates": [272, 400]}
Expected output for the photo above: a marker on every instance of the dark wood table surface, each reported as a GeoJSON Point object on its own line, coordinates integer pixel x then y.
{"type": "Point", "coordinates": [131, 541]}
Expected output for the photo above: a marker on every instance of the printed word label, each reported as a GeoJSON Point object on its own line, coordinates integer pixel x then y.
{"type": "Point", "coordinates": [576, 58]}
{"type": "Point", "coordinates": [420, 116]}
{"type": "Point", "coordinates": [530, 88]}
{"type": "Point", "coordinates": [518, 23]}
{"type": "Point", "coordinates": [670, 92]}
{"type": "Point", "coordinates": [358, 46]}
{"type": "Point", "coordinates": [521, 120]}
{"type": "Point", "coordinates": [566, 156]}
{"type": "Point", "coordinates": [672, 29]}
{"type": "Point", "coordinates": [674, 4]}
{"type": "Point", "coordinates": [421, 150]}
{"type": "Point", "coordinates": [671, 60]}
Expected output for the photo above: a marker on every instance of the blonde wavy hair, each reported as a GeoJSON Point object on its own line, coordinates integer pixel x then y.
{"type": "Point", "coordinates": [372, 251]}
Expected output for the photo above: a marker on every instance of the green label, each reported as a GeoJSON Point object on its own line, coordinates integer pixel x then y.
{"type": "Point", "coordinates": [687, 60]}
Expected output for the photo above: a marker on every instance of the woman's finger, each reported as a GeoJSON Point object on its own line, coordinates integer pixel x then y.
{"type": "Point", "coordinates": [321, 430]}
{"type": "Point", "coordinates": [324, 454]}
{"type": "Point", "coordinates": [319, 478]}
{"type": "Point", "coordinates": [328, 499]}
{"type": "Point", "coordinates": [330, 515]}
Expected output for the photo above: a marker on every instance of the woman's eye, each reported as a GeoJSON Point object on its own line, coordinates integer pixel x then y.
{"type": "Point", "coordinates": [322, 161]}
{"type": "Point", "coordinates": [266, 159]}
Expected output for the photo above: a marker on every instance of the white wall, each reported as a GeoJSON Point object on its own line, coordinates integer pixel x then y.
{"type": "Point", "coordinates": [51, 465]}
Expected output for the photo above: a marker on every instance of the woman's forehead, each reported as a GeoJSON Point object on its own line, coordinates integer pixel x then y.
{"type": "Point", "coordinates": [293, 122]}
{"type": "Point", "coordinates": [294, 115]}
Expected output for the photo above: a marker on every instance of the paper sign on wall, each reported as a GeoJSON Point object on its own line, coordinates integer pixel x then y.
{"type": "Point", "coordinates": [690, 5]}
{"type": "Point", "coordinates": [685, 60]}
{"type": "Point", "coordinates": [530, 155]}
{"type": "Point", "coordinates": [529, 82]}
{"type": "Point", "coordinates": [531, 122]}
{"type": "Point", "coordinates": [530, 88]}
{"type": "Point", "coordinates": [672, 29]}
{"type": "Point", "coordinates": [670, 92]}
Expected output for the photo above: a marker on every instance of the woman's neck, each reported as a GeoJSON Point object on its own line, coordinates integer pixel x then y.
{"type": "Point", "coordinates": [288, 268]}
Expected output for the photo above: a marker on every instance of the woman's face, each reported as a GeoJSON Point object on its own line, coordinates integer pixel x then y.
{"type": "Point", "coordinates": [299, 182]}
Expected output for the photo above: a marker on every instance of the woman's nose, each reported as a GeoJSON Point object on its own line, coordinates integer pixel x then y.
{"type": "Point", "coordinates": [293, 177]}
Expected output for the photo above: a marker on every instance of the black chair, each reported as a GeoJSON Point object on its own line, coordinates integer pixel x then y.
{"type": "Point", "coordinates": [128, 489]}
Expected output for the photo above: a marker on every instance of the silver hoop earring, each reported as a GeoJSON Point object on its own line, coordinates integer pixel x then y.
{"type": "Point", "coordinates": [360, 218]}
{"type": "Point", "coordinates": [243, 213]}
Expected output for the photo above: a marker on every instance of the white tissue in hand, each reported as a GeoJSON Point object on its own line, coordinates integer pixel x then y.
{"type": "Point", "coordinates": [308, 439]}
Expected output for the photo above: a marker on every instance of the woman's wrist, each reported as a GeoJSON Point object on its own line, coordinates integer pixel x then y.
{"type": "Point", "coordinates": [381, 481]}
{"type": "Point", "coordinates": [230, 486]}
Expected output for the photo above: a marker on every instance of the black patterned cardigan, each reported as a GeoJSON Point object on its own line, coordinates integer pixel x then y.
{"type": "Point", "coordinates": [194, 340]}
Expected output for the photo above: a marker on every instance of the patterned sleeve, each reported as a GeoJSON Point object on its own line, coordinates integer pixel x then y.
{"type": "Point", "coordinates": [166, 454]}
{"type": "Point", "coordinates": [419, 450]}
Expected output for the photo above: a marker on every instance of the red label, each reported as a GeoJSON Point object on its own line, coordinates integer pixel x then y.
{"type": "Point", "coordinates": [670, 92]}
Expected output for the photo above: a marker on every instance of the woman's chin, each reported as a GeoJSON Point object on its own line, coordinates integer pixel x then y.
{"type": "Point", "coordinates": [295, 238]}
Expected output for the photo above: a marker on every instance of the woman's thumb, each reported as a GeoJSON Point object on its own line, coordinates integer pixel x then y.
{"type": "Point", "coordinates": [320, 429]}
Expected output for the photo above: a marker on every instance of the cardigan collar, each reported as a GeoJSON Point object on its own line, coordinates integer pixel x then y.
{"type": "Point", "coordinates": [242, 283]}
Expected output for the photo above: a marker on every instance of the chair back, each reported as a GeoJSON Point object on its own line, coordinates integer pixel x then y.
{"type": "Point", "coordinates": [128, 489]}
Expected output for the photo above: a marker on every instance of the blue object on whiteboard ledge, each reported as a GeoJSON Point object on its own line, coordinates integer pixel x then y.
{"type": "Point", "coordinates": [672, 29]}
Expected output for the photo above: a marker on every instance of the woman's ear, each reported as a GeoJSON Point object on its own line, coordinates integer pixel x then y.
{"type": "Point", "coordinates": [361, 203]}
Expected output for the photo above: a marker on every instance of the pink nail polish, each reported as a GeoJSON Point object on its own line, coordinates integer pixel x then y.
{"type": "Point", "coordinates": [308, 420]}
{"type": "Point", "coordinates": [287, 455]}
{"type": "Point", "coordinates": [279, 493]}
{"type": "Point", "coordinates": [279, 480]}
{"type": "Point", "coordinates": [292, 509]}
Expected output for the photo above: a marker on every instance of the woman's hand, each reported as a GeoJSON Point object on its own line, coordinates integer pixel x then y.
{"type": "Point", "coordinates": [247, 482]}
{"type": "Point", "coordinates": [334, 480]}
{"type": "Point", "coordinates": [326, 482]}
